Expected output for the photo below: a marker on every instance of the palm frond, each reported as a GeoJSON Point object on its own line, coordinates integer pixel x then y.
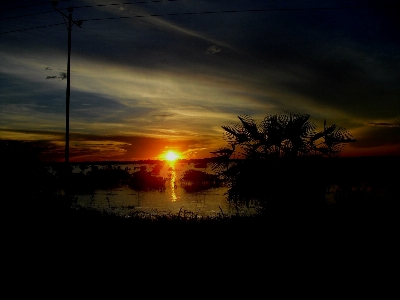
{"type": "Point", "coordinates": [338, 136]}
{"type": "Point", "coordinates": [250, 126]}
{"type": "Point", "coordinates": [235, 133]}
{"type": "Point", "coordinates": [325, 132]}
{"type": "Point", "coordinates": [224, 152]}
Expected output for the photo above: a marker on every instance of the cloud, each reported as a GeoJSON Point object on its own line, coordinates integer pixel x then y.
{"type": "Point", "coordinates": [382, 124]}
{"type": "Point", "coordinates": [213, 49]}
{"type": "Point", "coordinates": [108, 147]}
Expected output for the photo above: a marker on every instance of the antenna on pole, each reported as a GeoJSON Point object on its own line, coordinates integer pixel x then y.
{"type": "Point", "coordinates": [69, 27]}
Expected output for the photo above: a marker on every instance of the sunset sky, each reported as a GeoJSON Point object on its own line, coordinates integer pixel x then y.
{"type": "Point", "coordinates": [152, 76]}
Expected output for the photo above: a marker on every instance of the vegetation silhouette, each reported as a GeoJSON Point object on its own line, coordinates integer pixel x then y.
{"type": "Point", "coordinates": [195, 180]}
{"type": "Point", "coordinates": [279, 165]}
{"type": "Point", "coordinates": [144, 180]}
{"type": "Point", "coordinates": [110, 176]}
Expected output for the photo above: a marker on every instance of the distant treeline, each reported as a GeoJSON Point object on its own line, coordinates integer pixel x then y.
{"type": "Point", "coordinates": [147, 161]}
{"type": "Point", "coordinates": [368, 163]}
{"type": "Point", "coordinates": [356, 159]}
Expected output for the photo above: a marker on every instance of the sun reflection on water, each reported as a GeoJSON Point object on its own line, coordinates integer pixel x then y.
{"type": "Point", "coordinates": [172, 182]}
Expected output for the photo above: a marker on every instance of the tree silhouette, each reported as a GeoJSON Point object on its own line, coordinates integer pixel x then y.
{"type": "Point", "coordinates": [280, 136]}
{"type": "Point", "coordinates": [278, 161]}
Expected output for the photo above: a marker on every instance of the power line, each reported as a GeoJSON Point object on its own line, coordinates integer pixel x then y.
{"type": "Point", "coordinates": [29, 5]}
{"type": "Point", "coordinates": [78, 7]}
{"type": "Point", "coordinates": [31, 28]}
{"type": "Point", "coordinates": [27, 15]}
{"type": "Point", "coordinates": [203, 12]}
{"type": "Point", "coordinates": [163, 1]}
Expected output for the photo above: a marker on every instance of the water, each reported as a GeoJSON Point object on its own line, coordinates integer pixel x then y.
{"type": "Point", "coordinates": [174, 198]}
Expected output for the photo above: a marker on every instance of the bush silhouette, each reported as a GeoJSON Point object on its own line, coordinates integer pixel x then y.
{"type": "Point", "coordinates": [195, 180]}
{"type": "Point", "coordinates": [280, 162]}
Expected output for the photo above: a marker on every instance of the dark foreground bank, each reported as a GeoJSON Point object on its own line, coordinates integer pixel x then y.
{"type": "Point", "coordinates": [73, 248]}
{"type": "Point", "coordinates": [55, 219]}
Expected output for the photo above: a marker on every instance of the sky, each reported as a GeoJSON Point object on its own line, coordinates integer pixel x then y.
{"type": "Point", "coordinates": [147, 77]}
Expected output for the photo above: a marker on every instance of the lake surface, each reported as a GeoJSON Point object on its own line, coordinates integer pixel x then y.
{"type": "Point", "coordinates": [172, 199]}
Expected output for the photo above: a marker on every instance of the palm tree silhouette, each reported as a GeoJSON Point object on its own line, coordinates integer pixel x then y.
{"type": "Point", "coordinates": [279, 158]}
{"type": "Point", "coordinates": [282, 135]}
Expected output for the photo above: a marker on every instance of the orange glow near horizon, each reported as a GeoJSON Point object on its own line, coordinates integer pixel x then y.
{"type": "Point", "coordinates": [171, 156]}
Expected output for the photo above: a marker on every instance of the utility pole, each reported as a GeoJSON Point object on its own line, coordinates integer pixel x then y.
{"type": "Point", "coordinates": [69, 27]}
{"type": "Point", "coordinates": [67, 102]}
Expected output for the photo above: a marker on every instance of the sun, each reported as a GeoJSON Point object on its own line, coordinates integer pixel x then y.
{"type": "Point", "coordinates": [171, 156]}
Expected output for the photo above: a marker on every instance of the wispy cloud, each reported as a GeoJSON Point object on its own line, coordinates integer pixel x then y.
{"type": "Point", "coordinates": [383, 124]}
{"type": "Point", "coordinates": [213, 49]}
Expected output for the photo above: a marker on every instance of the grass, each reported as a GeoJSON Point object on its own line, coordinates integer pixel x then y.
{"type": "Point", "coordinates": [55, 213]}
{"type": "Point", "coordinates": [51, 234]}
